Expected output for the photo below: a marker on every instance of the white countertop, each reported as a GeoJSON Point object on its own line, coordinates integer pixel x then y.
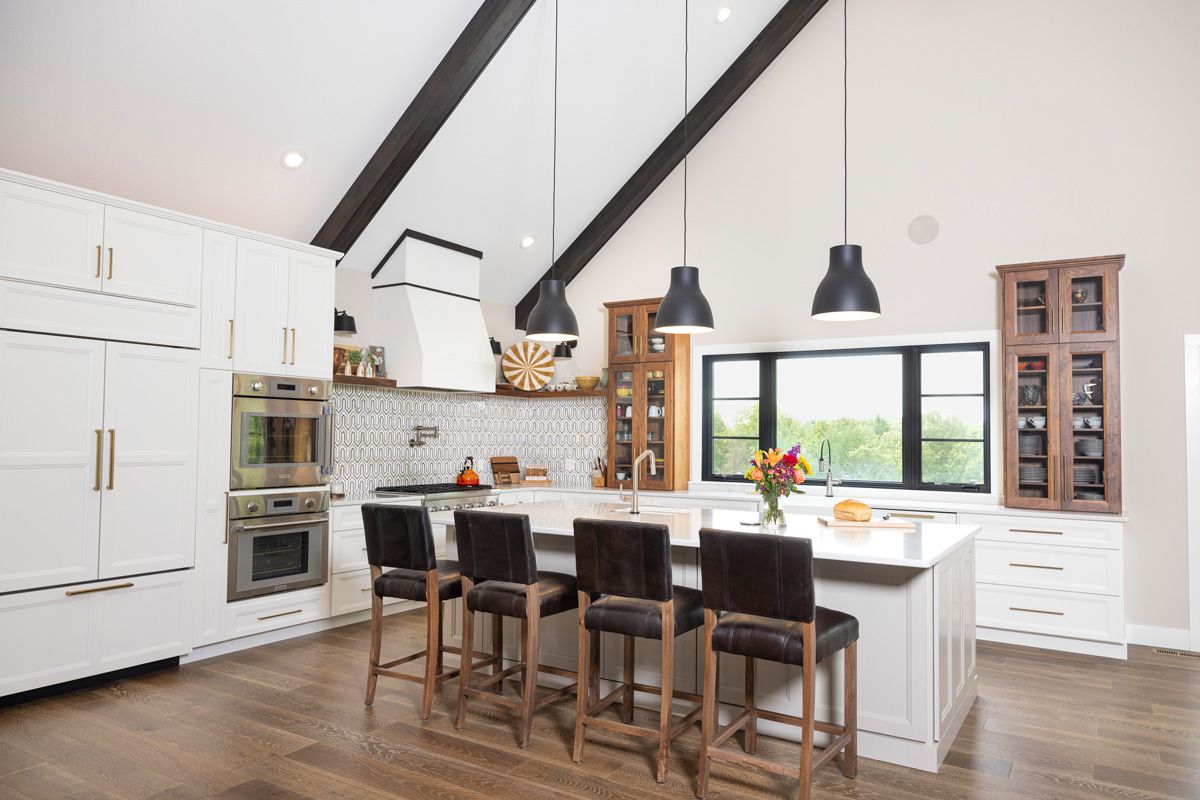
{"type": "Point", "coordinates": [920, 549]}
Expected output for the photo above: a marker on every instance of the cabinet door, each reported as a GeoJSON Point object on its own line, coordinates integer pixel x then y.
{"type": "Point", "coordinates": [1031, 313]}
{"type": "Point", "coordinates": [218, 308]}
{"type": "Point", "coordinates": [212, 484]}
{"type": "Point", "coordinates": [1090, 465]}
{"type": "Point", "coordinates": [310, 317]}
{"type": "Point", "coordinates": [50, 237]}
{"type": "Point", "coordinates": [1088, 299]}
{"type": "Point", "coordinates": [49, 459]}
{"type": "Point", "coordinates": [148, 521]}
{"type": "Point", "coordinates": [261, 335]}
{"type": "Point", "coordinates": [622, 426]}
{"type": "Point", "coordinates": [623, 332]}
{"type": "Point", "coordinates": [653, 401]}
{"type": "Point", "coordinates": [656, 346]}
{"type": "Point", "coordinates": [1031, 427]}
{"type": "Point", "coordinates": [151, 257]}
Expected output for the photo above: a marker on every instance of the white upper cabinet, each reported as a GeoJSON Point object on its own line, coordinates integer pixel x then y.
{"type": "Point", "coordinates": [50, 237]}
{"type": "Point", "coordinates": [50, 459]}
{"type": "Point", "coordinates": [151, 257]}
{"type": "Point", "coordinates": [310, 316]}
{"type": "Point", "coordinates": [262, 341]}
{"type": "Point", "coordinates": [151, 406]}
{"type": "Point", "coordinates": [218, 289]}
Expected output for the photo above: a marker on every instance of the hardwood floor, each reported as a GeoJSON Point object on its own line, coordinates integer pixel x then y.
{"type": "Point", "coordinates": [286, 722]}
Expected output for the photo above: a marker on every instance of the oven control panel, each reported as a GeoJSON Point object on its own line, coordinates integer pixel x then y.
{"type": "Point", "coordinates": [248, 506]}
{"type": "Point", "coordinates": [245, 385]}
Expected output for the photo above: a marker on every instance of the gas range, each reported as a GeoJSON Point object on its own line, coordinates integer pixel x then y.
{"type": "Point", "coordinates": [446, 496]}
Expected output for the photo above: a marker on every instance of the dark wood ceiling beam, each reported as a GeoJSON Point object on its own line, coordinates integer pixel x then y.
{"type": "Point", "coordinates": [449, 83]}
{"type": "Point", "coordinates": [742, 73]}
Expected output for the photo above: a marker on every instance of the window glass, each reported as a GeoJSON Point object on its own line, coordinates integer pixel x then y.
{"type": "Point", "coordinates": [953, 409]}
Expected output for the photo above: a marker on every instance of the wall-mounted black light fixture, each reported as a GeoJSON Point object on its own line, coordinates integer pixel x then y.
{"type": "Point", "coordinates": [343, 322]}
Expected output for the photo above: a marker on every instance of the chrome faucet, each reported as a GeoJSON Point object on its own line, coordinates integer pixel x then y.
{"type": "Point", "coordinates": [637, 464]}
{"type": "Point", "coordinates": [826, 465]}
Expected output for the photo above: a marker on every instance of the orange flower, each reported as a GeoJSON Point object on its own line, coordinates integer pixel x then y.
{"type": "Point", "coordinates": [758, 458]}
{"type": "Point", "coordinates": [756, 475]}
{"type": "Point", "coordinates": [774, 456]}
{"type": "Point", "coordinates": [798, 474]}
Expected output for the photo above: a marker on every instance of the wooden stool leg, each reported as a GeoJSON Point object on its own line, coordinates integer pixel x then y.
{"type": "Point", "coordinates": [708, 717]}
{"type": "Point", "coordinates": [627, 700]}
{"type": "Point", "coordinates": [533, 608]}
{"type": "Point", "coordinates": [850, 710]}
{"type": "Point", "coordinates": [750, 739]}
{"type": "Point", "coordinates": [668, 689]}
{"type": "Point", "coordinates": [441, 647]}
{"type": "Point", "coordinates": [808, 705]}
{"type": "Point", "coordinates": [433, 635]}
{"type": "Point", "coordinates": [524, 639]}
{"type": "Point", "coordinates": [376, 641]}
{"type": "Point", "coordinates": [467, 655]}
{"type": "Point", "coordinates": [498, 651]}
{"type": "Point", "coordinates": [583, 690]}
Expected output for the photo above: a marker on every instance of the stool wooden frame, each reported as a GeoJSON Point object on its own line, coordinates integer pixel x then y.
{"type": "Point", "coordinates": [491, 689]}
{"type": "Point", "coordinates": [589, 704]}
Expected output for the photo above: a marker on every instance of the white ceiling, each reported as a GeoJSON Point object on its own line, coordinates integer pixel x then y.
{"type": "Point", "coordinates": [189, 105]}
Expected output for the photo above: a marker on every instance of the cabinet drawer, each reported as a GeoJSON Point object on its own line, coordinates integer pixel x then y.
{"type": "Point", "coordinates": [1076, 616]}
{"type": "Point", "coordinates": [349, 551]}
{"type": "Point", "coordinates": [919, 516]}
{"type": "Point", "coordinates": [268, 613]}
{"type": "Point", "coordinates": [347, 517]}
{"type": "Point", "coordinates": [1075, 569]}
{"type": "Point", "coordinates": [351, 591]}
{"type": "Point", "coordinates": [1045, 530]}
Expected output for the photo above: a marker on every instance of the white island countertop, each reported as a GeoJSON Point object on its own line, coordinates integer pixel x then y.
{"type": "Point", "coordinates": [921, 548]}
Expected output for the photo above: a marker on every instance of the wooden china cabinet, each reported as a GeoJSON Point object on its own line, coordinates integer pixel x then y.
{"type": "Point", "coordinates": [648, 386]}
{"type": "Point", "coordinates": [1062, 400]}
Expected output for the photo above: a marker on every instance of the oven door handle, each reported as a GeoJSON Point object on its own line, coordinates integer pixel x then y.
{"type": "Point", "coordinates": [327, 465]}
{"type": "Point", "coordinates": [266, 525]}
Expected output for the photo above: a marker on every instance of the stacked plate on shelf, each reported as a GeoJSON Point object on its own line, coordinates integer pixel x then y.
{"type": "Point", "coordinates": [1091, 446]}
{"type": "Point", "coordinates": [1089, 494]}
{"type": "Point", "coordinates": [1086, 474]}
{"type": "Point", "coordinates": [1029, 445]}
{"type": "Point", "coordinates": [1031, 473]}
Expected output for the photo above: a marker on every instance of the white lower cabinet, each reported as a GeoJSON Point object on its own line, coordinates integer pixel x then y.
{"type": "Point", "coordinates": [56, 635]}
{"type": "Point", "coordinates": [260, 614]}
{"type": "Point", "coordinates": [212, 485]}
{"type": "Point", "coordinates": [351, 591]}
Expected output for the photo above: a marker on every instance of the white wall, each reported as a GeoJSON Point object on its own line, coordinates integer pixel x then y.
{"type": "Point", "coordinates": [1031, 131]}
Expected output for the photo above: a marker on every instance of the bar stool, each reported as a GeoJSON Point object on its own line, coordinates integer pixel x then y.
{"type": "Point", "coordinates": [400, 538]}
{"type": "Point", "coordinates": [500, 576]}
{"type": "Point", "coordinates": [626, 567]}
{"type": "Point", "coordinates": [762, 587]}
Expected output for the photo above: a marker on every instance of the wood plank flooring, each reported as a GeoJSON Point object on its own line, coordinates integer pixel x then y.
{"type": "Point", "coordinates": [286, 722]}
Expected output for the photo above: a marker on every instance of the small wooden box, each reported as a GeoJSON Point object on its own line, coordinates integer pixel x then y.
{"type": "Point", "coordinates": [506, 471]}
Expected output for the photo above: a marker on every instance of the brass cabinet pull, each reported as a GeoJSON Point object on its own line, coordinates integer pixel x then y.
{"type": "Point", "coordinates": [366, 589]}
{"type": "Point", "coordinates": [1049, 320]}
{"type": "Point", "coordinates": [110, 263]}
{"type": "Point", "coordinates": [94, 589]}
{"type": "Point", "coordinates": [1035, 566]}
{"type": "Point", "coordinates": [230, 339]}
{"type": "Point", "coordinates": [1030, 530]}
{"type": "Point", "coordinates": [1037, 611]}
{"type": "Point", "coordinates": [911, 516]}
{"type": "Point", "coordinates": [99, 459]}
{"type": "Point", "coordinates": [281, 614]}
{"type": "Point", "coordinates": [99, 258]}
{"type": "Point", "coordinates": [112, 457]}
{"type": "Point", "coordinates": [293, 345]}
{"type": "Point", "coordinates": [284, 361]}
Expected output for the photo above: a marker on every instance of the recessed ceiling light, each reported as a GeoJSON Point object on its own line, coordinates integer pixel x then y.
{"type": "Point", "coordinates": [527, 242]}
{"type": "Point", "coordinates": [292, 159]}
{"type": "Point", "coordinates": [724, 13]}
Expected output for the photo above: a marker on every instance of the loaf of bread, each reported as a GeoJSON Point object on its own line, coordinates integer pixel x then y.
{"type": "Point", "coordinates": [852, 511]}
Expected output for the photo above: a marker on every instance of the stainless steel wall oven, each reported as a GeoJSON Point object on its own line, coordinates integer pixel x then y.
{"type": "Point", "coordinates": [277, 542]}
{"type": "Point", "coordinates": [282, 432]}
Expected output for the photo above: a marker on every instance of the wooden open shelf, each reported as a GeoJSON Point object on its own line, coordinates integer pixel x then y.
{"type": "Point", "coordinates": [354, 380]}
{"type": "Point", "coordinates": [507, 390]}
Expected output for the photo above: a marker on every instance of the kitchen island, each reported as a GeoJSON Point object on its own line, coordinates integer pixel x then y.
{"type": "Point", "coordinates": [913, 592]}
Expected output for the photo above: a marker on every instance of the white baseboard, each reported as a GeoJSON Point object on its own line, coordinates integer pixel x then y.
{"type": "Point", "coordinates": [1154, 636]}
{"type": "Point", "coordinates": [1085, 647]}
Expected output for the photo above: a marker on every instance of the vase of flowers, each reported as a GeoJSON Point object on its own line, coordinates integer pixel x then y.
{"type": "Point", "coordinates": [776, 474]}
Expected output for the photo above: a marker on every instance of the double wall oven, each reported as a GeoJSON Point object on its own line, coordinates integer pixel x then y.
{"type": "Point", "coordinates": [281, 456]}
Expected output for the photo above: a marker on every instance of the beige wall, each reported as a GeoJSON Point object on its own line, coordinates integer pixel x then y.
{"type": "Point", "coordinates": [1031, 131]}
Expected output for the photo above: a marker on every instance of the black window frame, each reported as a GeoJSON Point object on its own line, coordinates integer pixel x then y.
{"type": "Point", "coordinates": [911, 411]}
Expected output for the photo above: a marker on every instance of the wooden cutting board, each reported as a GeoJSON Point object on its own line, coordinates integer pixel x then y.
{"type": "Point", "coordinates": [832, 522]}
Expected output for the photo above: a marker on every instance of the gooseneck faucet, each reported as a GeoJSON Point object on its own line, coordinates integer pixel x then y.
{"type": "Point", "coordinates": [826, 465]}
{"type": "Point", "coordinates": [637, 463]}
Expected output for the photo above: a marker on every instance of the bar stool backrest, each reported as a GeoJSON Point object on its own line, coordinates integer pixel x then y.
{"type": "Point", "coordinates": [756, 573]}
{"type": "Point", "coordinates": [629, 559]}
{"type": "Point", "coordinates": [495, 547]}
{"type": "Point", "coordinates": [399, 537]}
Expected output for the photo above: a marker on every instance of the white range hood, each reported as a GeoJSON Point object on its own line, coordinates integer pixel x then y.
{"type": "Point", "coordinates": [425, 299]}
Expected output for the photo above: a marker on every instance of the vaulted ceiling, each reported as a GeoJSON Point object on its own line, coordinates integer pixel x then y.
{"type": "Point", "coordinates": [191, 105]}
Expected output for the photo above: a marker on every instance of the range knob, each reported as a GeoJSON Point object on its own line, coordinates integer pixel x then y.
{"type": "Point", "coordinates": [309, 502]}
{"type": "Point", "coordinates": [252, 507]}
{"type": "Point", "coordinates": [257, 386]}
{"type": "Point", "coordinates": [312, 390]}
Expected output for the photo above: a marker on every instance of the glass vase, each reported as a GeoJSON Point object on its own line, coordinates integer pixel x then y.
{"type": "Point", "coordinates": [770, 515]}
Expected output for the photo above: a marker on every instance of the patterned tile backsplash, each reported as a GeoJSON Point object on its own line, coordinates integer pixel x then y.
{"type": "Point", "coordinates": [374, 426]}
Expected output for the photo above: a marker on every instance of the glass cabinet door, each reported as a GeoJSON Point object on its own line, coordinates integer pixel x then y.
{"type": "Point", "coordinates": [659, 346]}
{"type": "Point", "coordinates": [1088, 301]}
{"type": "Point", "coordinates": [1089, 439]}
{"type": "Point", "coordinates": [1030, 307]}
{"type": "Point", "coordinates": [1031, 427]}
{"type": "Point", "coordinates": [623, 424]}
{"type": "Point", "coordinates": [655, 429]}
{"type": "Point", "coordinates": [623, 336]}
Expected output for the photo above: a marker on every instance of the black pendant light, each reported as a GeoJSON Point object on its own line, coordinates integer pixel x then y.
{"type": "Point", "coordinates": [552, 319]}
{"type": "Point", "coordinates": [685, 309]}
{"type": "Point", "coordinates": [845, 293]}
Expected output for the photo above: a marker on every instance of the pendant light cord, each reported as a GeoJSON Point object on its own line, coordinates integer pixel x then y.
{"type": "Point", "coordinates": [845, 125]}
{"type": "Point", "coordinates": [554, 151]}
{"type": "Point", "coordinates": [685, 128]}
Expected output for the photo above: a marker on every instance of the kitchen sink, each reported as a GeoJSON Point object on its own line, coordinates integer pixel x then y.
{"type": "Point", "coordinates": [628, 509]}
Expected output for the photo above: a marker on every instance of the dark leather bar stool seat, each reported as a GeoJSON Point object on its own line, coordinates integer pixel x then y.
{"type": "Point", "coordinates": [500, 576]}
{"type": "Point", "coordinates": [762, 588]}
{"type": "Point", "coordinates": [400, 539]}
{"type": "Point", "coordinates": [626, 587]}
{"type": "Point", "coordinates": [780, 640]}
